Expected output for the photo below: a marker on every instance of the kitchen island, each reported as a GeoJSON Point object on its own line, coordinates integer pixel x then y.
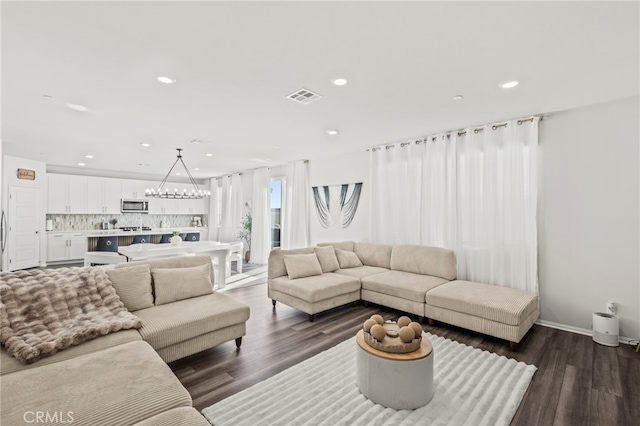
{"type": "Point", "coordinates": [215, 249]}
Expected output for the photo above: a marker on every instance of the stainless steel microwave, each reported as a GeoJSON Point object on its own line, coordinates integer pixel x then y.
{"type": "Point", "coordinates": [134, 206]}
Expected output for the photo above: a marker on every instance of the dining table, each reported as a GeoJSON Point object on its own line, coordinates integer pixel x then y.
{"type": "Point", "coordinates": [215, 249]}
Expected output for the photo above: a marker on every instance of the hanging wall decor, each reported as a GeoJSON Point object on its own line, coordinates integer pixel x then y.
{"type": "Point", "coordinates": [336, 205]}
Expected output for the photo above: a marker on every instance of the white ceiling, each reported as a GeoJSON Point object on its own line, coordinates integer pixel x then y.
{"type": "Point", "coordinates": [235, 62]}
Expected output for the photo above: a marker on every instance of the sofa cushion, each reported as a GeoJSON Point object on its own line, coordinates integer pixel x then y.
{"type": "Point", "coordinates": [9, 364]}
{"type": "Point", "coordinates": [501, 304]}
{"type": "Point", "coordinates": [424, 260]}
{"type": "Point", "coordinates": [361, 271]}
{"type": "Point", "coordinates": [187, 416]}
{"type": "Point", "coordinates": [277, 268]}
{"type": "Point", "coordinates": [343, 245]}
{"type": "Point", "coordinates": [166, 325]}
{"type": "Point", "coordinates": [174, 284]}
{"type": "Point", "coordinates": [302, 265]}
{"type": "Point", "coordinates": [327, 258]}
{"type": "Point", "coordinates": [121, 385]}
{"type": "Point", "coordinates": [133, 286]}
{"type": "Point", "coordinates": [171, 262]}
{"type": "Point", "coordinates": [374, 254]}
{"type": "Point", "coordinates": [404, 285]}
{"type": "Point", "coordinates": [347, 259]}
{"type": "Point", "coordinates": [316, 288]}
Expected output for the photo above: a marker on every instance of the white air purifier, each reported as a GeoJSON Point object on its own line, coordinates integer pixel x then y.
{"type": "Point", "coordinates": [606, 328]}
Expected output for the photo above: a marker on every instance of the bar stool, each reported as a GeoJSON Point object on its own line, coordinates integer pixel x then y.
{"type": "Point", "coordinates": [193, 236]}
{"type": "Point", "coordinates": [140, 239]}
{"type": "Point", "coordinates": [106, 253]}
{"type": "Point", "coordinates": [166, 238]}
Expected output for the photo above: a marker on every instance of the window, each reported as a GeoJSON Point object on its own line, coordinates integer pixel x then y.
{"type": "Point", "coordinates": [276, 211]}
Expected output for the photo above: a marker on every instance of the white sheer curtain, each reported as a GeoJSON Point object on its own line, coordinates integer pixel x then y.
{"type": "Point", "coordinates": [438, 191]}
{"type": "Point", "coordinates": [214, 219]}
{"type": "Point", "coordinates": [473, 191]}
{"type": "Point", "coordinates": [395, 202]}
{"type": "Point", "coordinates": [231, 208]}
{"type": "Point", "coordinates": [497, 202]}
{"type": "Point", "coordinates": [295, 215]}
{"type": "Point", "coordinates": [261, 219]}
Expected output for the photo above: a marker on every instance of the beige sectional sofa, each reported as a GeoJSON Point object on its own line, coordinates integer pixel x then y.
{"type": "Point", "coordinates": [122, 378]}
{"type": "Point", "coordinates": [416, 279]}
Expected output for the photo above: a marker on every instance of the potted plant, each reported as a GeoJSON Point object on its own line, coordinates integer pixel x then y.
{"type": "Point", "coordinates": [113, 223]}
{"type": "Point", "coordinates": [245, 234]}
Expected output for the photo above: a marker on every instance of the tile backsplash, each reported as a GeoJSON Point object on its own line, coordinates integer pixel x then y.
{"type": "Point", "coordinates": [84, 222]}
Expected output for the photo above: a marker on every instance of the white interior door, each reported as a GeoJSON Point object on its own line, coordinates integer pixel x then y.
{"type": "Point", "coordinates": [23, 237]}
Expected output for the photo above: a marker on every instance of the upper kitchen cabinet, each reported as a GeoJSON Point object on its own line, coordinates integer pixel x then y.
{"type": "Point", "coordinates": [133, 189]}
{"type": "Point", "coordinates": [103, 195]}
{"type": "Point", "coordinates": [196, 206]}
{"type": "Point", "coordinates": [67, 194]}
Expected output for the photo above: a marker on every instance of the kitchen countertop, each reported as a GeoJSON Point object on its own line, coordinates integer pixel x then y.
{"type": "Point", "coordinates": [121, 233]}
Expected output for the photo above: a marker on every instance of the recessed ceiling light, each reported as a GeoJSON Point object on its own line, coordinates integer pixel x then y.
{"type": "Point", "coordinates": [47, 96]}
{"type": "Point", "coordinates": [146, 145]}
{"type": "Point", "coordinates": [208, 154]}
{"type": "Point", "coordinates": [339, 81]}
{"type": "Point", "coordinates": [78, 107]}
{"type": "Point", "coordinates": [508, 84]}
{"type": "Point", "coordinates": [88, 156]}
{"type": "Point", "coordinates": [166, 80]}
{"type": "Point", "coordinates": [81, 164]}
{"type": "Point", "coordinates": [457, 97]}
{"type": "Point", "coordinates": [177, 173]}
{"type": "Point", "coordinates": [196, 169]}
{"type": "Point", "coordinates": [332, 132]}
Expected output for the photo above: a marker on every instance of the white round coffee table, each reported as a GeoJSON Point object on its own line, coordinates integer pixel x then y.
{"type": "Point", "coordinates": [398, 381]}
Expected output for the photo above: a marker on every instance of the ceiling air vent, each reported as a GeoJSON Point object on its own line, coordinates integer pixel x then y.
{"type": "Point", "coordinates": [304, 96]}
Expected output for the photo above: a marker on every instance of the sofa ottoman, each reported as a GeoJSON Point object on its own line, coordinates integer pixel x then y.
{"type": "Point", "coordinates": [503, 312]}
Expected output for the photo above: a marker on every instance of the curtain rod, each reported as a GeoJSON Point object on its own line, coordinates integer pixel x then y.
{"type": "Point", "coordinates": [250, 170]}
{"type": "Point", "coordinates": [460, 133]}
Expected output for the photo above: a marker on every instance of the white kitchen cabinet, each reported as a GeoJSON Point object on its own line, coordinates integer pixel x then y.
{"type": "Point", "coordinates": [67, 194]}
{"type": "Point", "coordinates": [195, 206]}
{"type": "Point", "coordinates": [103, 195]}
{"type": "Point", "coordinates": [133, 189]}
{"type": "Point", "coordinates": [66, 246]}
{"type": "Point", "coordinates": [163, 206]}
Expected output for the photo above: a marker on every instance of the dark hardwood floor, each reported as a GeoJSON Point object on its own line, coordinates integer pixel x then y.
{"type": "Point", "coordinates": [578, 382]}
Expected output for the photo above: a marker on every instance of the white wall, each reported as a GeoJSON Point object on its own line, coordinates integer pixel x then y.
{"type": "Point", "coordinates": [9, 168]}
{"type": "Point", "coordinates": [350, 168]}
{"type": "Point", "coordinates": [589, 215]}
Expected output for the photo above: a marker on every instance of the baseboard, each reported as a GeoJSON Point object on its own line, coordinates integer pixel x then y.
{"type": "Point", "coordinates": [578, 330]}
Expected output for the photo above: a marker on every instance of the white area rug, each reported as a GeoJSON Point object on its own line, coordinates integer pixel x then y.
{"type": "Point", "coordinates": [472, 387]}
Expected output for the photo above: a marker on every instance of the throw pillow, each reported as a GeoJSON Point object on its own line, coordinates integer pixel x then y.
{"type": "Point", "coordinates": [302, 265]}
{"type": "Point", "coordinates": [133, 286]}
{"type": "Point", "coordinates": [327, 258]}
{"type": "Point", "coordinates": [172, 284]}
{"type": "Point", "coordinates": [347, 259]}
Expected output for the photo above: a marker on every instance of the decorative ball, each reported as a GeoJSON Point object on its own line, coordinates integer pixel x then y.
{"type": "Point", "coordinates": [378, 318]}
{"type": "Point", "coordinates": [407, 334]}
{"type": "Point", "coordinates": [368, 324]}
{"type": "Point", "coordinates": [378, 332]}
{"type": "Point", "coordinates": [404, 321]}
{"type": "Point", "coordinates": [417, 328]}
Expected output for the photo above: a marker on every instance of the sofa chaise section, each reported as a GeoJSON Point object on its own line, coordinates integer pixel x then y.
{"type": "Point", "coordinates": [187, 326]}
{"type": "Point", "coordinates": [502, 312]}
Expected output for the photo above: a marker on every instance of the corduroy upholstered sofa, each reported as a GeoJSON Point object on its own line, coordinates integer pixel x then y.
{"type": "Point", "coordinates": [415, 279]}
{"type": "Point", "coordinates": [122, 378]}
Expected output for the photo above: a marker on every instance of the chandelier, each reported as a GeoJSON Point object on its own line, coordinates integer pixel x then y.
{"type": "Point", "coordinates": [163, 191]}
